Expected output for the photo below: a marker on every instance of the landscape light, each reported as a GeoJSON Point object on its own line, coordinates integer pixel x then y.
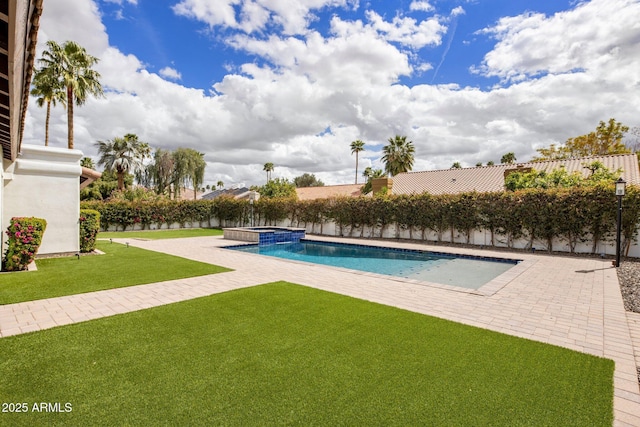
{"type": "Point", "coordinates": [620, 190]}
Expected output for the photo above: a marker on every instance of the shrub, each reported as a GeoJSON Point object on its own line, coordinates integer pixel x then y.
{"type": "Point", "coordinates": [89, 227]}
{"type": "Point", "coordinates": [25, 236]}
{"type": "Point", "coordinates": [565, 216]}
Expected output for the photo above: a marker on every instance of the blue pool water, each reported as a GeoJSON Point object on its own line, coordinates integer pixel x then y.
{"type": "Point", "coordinates": [467, 272]}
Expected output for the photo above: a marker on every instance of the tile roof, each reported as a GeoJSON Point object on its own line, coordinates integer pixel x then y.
{"type": "Point", "coordinates": [491, 178]}
{"type": "Point", "coordinates": [325, 192]}
{"type": "Point", "coordinates": [88, 176]}
{"type": "Point", "coordinates": [235, 192]}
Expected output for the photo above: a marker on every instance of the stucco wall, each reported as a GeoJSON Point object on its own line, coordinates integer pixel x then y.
{"type": "Point", "coordinates": [44, 182]}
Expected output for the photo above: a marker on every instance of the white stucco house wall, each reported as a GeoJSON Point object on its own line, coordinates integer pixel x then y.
{"type": "Point", "coordinates": [44, 182]}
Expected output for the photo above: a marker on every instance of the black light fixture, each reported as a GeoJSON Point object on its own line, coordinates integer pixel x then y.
{"type": "Point", "coordinates": [620, 190]}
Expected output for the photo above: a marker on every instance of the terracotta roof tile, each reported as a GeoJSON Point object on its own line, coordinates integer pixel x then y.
{"type": "Point", "coordinates": [234, 192]}
{"type": "Point", "coordinates": [491, 178]}
{"type": "Point", "coordinates": [312, 193]}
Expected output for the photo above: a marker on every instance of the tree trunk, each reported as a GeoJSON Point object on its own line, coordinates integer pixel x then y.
{"type": "Point", "coordinates": [46, 125]}
{"type": "Point", "coordinates": [70, 119]}
{"type": "Point", "coordinates": [356, 168]}
{"type": "Point", "coordinates": [120, 174]}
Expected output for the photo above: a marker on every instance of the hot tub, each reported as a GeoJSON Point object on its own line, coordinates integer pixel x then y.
{"type": "Point", "coordinates": [265, 235]}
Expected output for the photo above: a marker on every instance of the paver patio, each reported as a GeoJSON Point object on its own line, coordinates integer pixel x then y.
{"type": "Point", "coordinates": [567, 301]}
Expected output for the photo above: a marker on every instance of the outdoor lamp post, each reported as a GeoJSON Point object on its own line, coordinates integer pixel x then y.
{"type": "Point", "coordinates": [253, 196]}
{"type": "Point", "coordinates": [251, 204]}
{"type": "Point", "coordinates": [620, 188]}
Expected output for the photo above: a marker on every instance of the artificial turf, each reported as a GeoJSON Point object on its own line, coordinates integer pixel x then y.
{"type": "Point", "coordinates": [119, 267]}
{"type": "Point", "coordinates": [282, 354]}
{"type": "Point", "coordinates": [161, 234]}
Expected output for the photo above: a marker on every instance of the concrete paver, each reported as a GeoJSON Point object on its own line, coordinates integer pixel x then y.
{"type": "Point", "coordinates": [567, 301]}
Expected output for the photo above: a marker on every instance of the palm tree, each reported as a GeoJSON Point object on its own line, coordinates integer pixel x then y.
{"type": "Point", "coordinates": [508, 159]}
{"type": "Point", "coordinates": [87, 162]}
{"type": "Point", "coordinates": [356, 147]}
{"type": "Point", "coordinates": [268, 168]}
{"type": "Point", "coordinates": [122, 155]}
{"type": "Point", "coordinates": [371, 174]}
{"type": "Point", "coordinates": [48, 90]}
{"type": "Point", "coordinates": [220, 184]}
{"type": "Point", "coordinates": [398, 155]}
{"type": "Point", "coordinates": [70, 64]}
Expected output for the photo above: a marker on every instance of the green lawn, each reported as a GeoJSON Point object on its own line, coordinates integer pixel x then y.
{"type": "Point", "coordinates": [161, 234]}
{"type": "Point", "coordinates": [120, 266]}
{"type": "Point", "coordinates": [282, 354]}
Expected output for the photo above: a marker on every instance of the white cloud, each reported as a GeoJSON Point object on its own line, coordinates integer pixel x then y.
{"type": "Point", "coordinates": [133, 2]}
{"type": "Point", "coordinates": [277, 108]}
{"type": "Point", "coordinates": [421, 5]}
{"type": "Point", "coordinates": [356, 57]}
{"type": "Point", "coordinates": [218, 13]}
{"type": "Point", "coordinates": [170, 73]}
{"type": "Point", "coordinates": [458, 11]}
{"type": "Point", "coordinates": [408, 31]}
{"type": "Point", "coordinates": [293, 16]}
{"type": "Point", "coordinates": [586, 38]}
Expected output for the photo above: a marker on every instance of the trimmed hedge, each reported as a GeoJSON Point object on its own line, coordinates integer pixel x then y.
{"type": "Point", "coordinates": [25, 236]}
{"type": "Point", "coordinates": [89, 228]}
{"type": "Point", "coordinates": [569, 215]}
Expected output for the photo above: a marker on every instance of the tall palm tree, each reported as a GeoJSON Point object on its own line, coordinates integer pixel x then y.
{"type": "Point", "coordinates": [71, 66]}
{"type": "Point", "coordinates": [49, 91]}
{"type": "Point", "coordinates": [122, 155]}
{"type": "Point", "coordinates": [398, 155]}
{"type": "Point", "coordinates": [356, 147]}
{"type": "Point", "coordinates": [268, 168]}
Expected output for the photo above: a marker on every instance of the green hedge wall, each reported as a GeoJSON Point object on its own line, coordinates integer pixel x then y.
{"type": "Point", "coordinates": [572, 216]}
{"type": "Point", "coordinates": [89, 227]}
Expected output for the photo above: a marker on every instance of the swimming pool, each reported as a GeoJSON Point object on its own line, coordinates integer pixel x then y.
{"type": "Point", "coordinates": [455, 270]}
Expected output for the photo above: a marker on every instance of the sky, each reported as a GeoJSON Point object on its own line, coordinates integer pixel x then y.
{"type": "Point", "coordinates": [294, 82]}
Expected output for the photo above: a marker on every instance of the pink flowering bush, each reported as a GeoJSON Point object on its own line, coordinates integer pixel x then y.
{"type": "Point", "coordinates": [25, 236]}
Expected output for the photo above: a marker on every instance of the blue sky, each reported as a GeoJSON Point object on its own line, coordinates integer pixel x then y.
{"type": "Point", "coordinates": [154, 33]}
{"type": "Point", "coordinates": [293, 82]}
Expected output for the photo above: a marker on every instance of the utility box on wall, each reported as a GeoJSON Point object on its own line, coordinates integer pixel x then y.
{"type": "Point", "coordinates": [44, 182]}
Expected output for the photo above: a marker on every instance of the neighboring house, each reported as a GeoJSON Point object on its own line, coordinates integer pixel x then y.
{"type": "Point", "coordinates": [481, 178]}
{"type": "Point", "coordinates": [491, 178]}
{"type": "Point", "coordinates": [36, 180]}
{"type": "Point", "coordinates": [236, 193]}
{"type": "Point", "coordinates": [187, 194]}
{"type": "Point", "coordinates": [327, 191]}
